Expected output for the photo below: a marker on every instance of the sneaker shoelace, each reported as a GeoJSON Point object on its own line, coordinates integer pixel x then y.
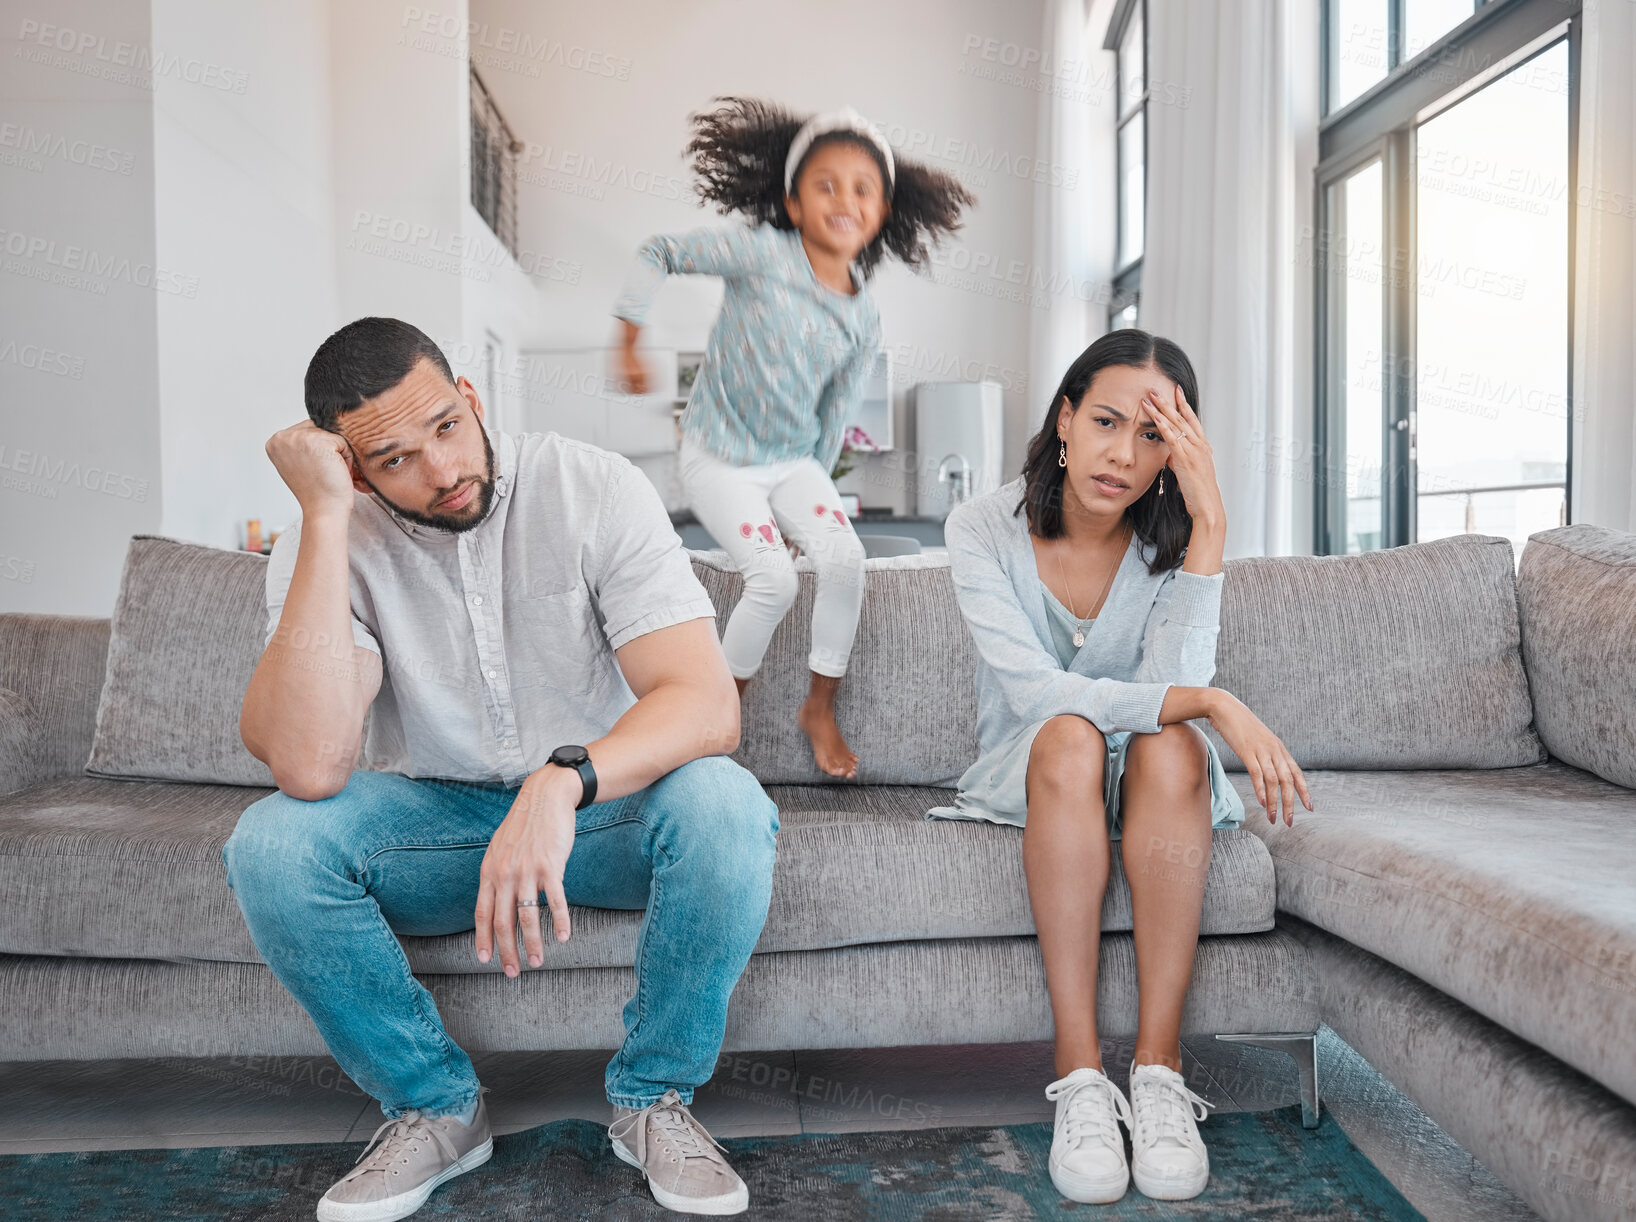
{"type": "Point", "coordinates": [396, 1136]}
{"type": "Point", "coordinates": [685, 1136]}
{"type": "Point", "coordinates": [1084, 1116]}
{"type": "Point", "coordinates": [1168, 1109]}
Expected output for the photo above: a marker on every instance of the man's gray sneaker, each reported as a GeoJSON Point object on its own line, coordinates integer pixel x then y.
{"type": "Point", "coordinates": [415, 1154]}
{"type": "Point", "coordinates": [684, 1164]}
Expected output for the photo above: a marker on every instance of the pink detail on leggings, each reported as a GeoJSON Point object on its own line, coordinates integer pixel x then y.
{"type": "Point", "coordinates": [766, 531]}
{"type": "Point", "coordinates": [840, 517]}
{"type": "Point", "coordinates": [745, 529]}
{"type": "Point", "coordinates": [820, 510]}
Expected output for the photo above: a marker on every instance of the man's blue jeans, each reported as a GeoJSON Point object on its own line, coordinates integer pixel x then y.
{"type": "Point", "coordinates": [325, 886]}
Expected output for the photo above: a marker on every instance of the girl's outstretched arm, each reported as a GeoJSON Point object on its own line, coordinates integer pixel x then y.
{"type": "Point", "coordinates": [727, 251]}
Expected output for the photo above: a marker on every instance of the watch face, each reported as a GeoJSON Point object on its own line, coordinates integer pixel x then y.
{"type": "Point", "coordinates": [570, 756]}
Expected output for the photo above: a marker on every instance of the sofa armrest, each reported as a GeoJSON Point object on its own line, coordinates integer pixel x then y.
{"type": "Point", "coordinates": [55, 665]}
{"type": "Point", "coordinates": [19, 757]}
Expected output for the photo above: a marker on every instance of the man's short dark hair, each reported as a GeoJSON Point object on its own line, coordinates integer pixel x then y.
{"type": "Point", "coordinates": [364, 359]}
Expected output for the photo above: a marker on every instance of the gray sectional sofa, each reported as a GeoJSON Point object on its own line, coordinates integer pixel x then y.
{"type": "Point", "coordinates": [1472, 929]}
{"type": "Point", "coordinates": [1461, 905]}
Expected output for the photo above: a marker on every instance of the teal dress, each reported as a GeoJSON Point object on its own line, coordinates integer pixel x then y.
{"type": "Point", "coordinates": [995, 787]}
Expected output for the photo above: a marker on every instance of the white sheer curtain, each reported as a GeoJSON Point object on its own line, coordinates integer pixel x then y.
{"type": "Point", "coordinates": [1219, 276]}
{"type": "Point", "coordinates": [1067, 241]}
{"type": "Point", "coordinates": [1604, 361]}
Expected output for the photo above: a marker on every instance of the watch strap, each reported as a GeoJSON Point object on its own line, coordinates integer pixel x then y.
{"type": "Point", "coordinates": [587, 776]}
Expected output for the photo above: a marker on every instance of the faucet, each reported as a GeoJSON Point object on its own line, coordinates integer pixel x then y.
{"type": "Point", "coordinates": [955, 470]}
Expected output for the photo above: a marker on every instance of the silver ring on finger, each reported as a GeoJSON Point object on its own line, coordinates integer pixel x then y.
{"type": "Point", "coordinates": [528, 903]}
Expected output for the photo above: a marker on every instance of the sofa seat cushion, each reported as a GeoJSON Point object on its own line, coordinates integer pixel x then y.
{"type": "Point", "coordinates": [1513, 890]}
{"type": "Point", "coordinates": [132, 869]}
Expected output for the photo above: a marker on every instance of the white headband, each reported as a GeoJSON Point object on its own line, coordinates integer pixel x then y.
{"type": "Point", "coordinates": [844, 120]}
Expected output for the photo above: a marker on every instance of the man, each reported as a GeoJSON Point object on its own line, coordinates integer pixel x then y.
{"type": "Point", "coordinates": [550, 712]}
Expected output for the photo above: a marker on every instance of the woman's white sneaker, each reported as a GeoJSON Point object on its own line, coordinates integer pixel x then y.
{"type": "Point", "coordinates": [1168, 1160]}
{"type": "Point", "coordinates": [1087, 1149]}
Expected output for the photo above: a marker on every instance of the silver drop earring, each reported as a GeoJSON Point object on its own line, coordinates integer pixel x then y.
{"type": "Point", "coordinates": [1161, 483]}
{"type": "Point", "coordinates": [1062, 456]}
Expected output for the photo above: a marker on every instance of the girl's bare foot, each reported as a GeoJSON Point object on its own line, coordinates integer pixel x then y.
{"type": "Point", "coordinates": [817, 721]}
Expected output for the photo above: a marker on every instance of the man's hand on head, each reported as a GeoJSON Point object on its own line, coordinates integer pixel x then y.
{"type": "Point", "coordinates": [316, 465]}
{"type": "Point", "coordinates": [527, 856]}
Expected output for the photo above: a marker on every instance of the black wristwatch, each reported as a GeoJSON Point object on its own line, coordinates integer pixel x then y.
{"type": "Point", "coordinates": [579, 759]}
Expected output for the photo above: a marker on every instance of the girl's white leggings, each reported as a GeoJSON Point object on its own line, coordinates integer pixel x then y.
{"type": "Point", "coordinates": [745, 509]}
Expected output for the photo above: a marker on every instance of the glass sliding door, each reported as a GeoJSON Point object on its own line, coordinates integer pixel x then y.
{"type": "Point", "coordinates": [1491, 336]}
{"type": "Point", "coordinates": [1444, 197]}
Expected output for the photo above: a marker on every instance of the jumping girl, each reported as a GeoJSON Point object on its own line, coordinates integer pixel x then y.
{"type": "Point", "coordinates": [1092, 659]}
{"type": "Point", "coordinates": [787, 360]}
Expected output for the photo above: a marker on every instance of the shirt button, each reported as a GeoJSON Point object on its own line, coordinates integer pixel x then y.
{"type": "Point", "coordinates": [492, 673]}
{"type": "Point", "coordinates": [477, 600]}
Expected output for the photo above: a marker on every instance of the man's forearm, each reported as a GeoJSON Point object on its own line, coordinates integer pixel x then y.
{"type": "Point", "coordinates": [668, 727]}
{"type": "Point", "coordinates": [305, 705]}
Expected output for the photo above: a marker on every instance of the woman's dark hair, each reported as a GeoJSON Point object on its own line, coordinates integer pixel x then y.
{"type": "Point", "coordinates": [1161, 522]}
{"type": "Point", "coordinates": [739, 148]}
{"type": "Point", "coordinates": [365, 358]}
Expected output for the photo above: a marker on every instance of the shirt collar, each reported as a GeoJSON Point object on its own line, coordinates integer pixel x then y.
{"type": "Point", "coordinates": [505, 480]}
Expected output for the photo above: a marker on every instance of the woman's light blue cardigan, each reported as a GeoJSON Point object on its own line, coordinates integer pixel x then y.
{"type": "Point", "coordinates": [1151, 633]}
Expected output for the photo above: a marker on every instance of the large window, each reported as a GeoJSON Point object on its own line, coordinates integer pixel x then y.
{"type": "Point", "coordinates": [1127, 38]}
{"type": "Point", "coordinates": [1369, 39]}
{"type": "Point", "coordinates": [1443, 256]}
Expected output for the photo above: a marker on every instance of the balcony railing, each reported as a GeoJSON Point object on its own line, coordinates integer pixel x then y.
{"type": "Point", "coordinates": [1470, 493]}
{"type": "Point", "coordinates": [494, 149]}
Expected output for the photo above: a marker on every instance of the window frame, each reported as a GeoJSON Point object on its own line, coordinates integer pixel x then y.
{"type": "Point", "coordinates": [1499, 36]}
{"type": "Point", "coordinates": [1127, 278]}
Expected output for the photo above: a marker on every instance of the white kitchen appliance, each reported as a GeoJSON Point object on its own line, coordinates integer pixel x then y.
{"type": "Point", "coordinates": [958, 435]}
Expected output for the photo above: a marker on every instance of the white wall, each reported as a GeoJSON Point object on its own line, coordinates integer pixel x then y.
{"type": "Point", "coordinates": [79, 381]}
{"type": "Point", "coordinates": [244, 201]}
{"type": "Point", "coordinates": [290, 167]}
{"type": "Point", "coordinates": [602, 94]}
{"type": "Point", "coordinates": [410, 244]}
{"type": "Point", "coordinates": [397, 131]}
{"type": "Point", "coordinates": [286, 168]}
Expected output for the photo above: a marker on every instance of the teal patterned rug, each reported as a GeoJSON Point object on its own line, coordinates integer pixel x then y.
{"type": "Point", "coordinates": [1263, 1166]}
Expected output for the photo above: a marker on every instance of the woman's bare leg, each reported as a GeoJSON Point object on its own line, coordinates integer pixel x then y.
{"type": "Point", "coordinates": [1165, 805]}
{"type": "Point", "coordinates": [1066, 855]}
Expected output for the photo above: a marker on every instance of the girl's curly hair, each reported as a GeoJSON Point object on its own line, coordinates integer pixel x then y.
{"type": "Point", "coordinates": [738, 151]}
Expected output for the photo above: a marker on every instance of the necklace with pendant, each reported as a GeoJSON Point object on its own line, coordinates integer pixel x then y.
{"type": "Point", "coordinates": [1079, 624]}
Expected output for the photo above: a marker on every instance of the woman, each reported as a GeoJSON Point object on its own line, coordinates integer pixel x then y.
{"type": "Point", "coordinates": [1092, 588]}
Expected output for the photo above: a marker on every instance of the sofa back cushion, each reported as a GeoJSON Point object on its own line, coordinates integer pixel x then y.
{"type": "Point", "coordinates": [908, 705]}
{"type": "Point", "coordinates": [185, 638]}
{"type": "Point", "coordinates": [1407, 657]}
{"type": "Point", "coordinates": [1404, 658]}
{"type": "Point", "coordinates": [1577, 593]}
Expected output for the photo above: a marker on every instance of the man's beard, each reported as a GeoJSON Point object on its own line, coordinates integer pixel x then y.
{"type": "Point", "coordinates": [483, 497]}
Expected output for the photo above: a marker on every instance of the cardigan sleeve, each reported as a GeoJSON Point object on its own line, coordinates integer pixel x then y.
{"type": "Point", "coordinates": [1034, 684]}
{"type": "Point", "coordinates": [1179, 642]}
{"type": "Point", "coordinates": [840, 399]}
{"type": "Point", "coordinates": [725, 251]}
